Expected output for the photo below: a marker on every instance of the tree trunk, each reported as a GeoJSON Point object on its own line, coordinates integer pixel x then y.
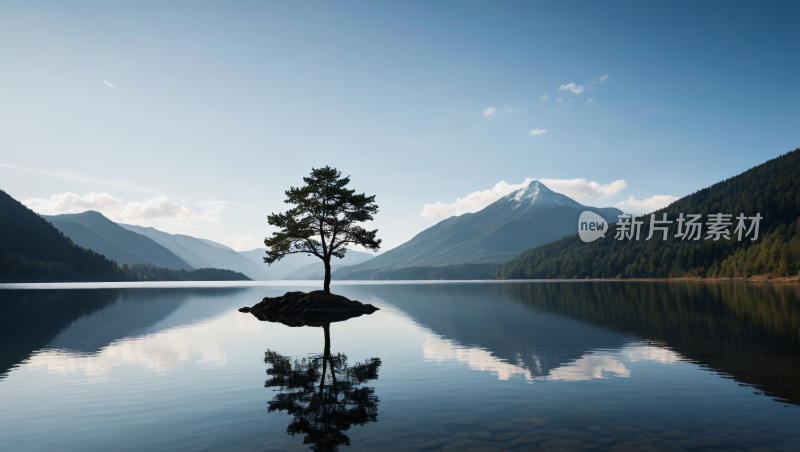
{"type": "Point", "coordinates": [327, 287]}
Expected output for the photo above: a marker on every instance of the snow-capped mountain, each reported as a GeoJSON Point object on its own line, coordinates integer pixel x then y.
{"type": "Point", "coordinates": [526, 218]}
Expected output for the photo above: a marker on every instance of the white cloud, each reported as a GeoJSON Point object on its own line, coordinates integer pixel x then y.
{"type": "Point", "coordinates": [590, 101]}
{"type": "Point", "coordinates": [489, 111]}
{"type": "Point", "coordinates": [109, 84]}
{"type": "Point", "coordinates": [535, 132]}
{"type": "Point", "coordinates": [576, 89]}
{"type": "Point", "coordinates": [650, 204]}
{"type": "Point", "coordinates": [602, 79]}
{"type": "Point", "coordinates": [583, 189]}
{"type": "Point", "coordinates": [244, 243]}
{"type": "Point", "coordinates": [558, 100]}
{"type": "Point", "coordinates": [473, 202]}
{"type": "Point", "coordinates": [74, 203]}
{"type": "Point", "coordinates": [544, 97]}
{"type": "Point", "coordinates": [152, 211]}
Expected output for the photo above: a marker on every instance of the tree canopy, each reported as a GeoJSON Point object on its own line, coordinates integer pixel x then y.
{"type": "Point", "coordinates": [324, 220]}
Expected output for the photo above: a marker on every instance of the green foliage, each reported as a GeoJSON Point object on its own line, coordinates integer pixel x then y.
{"type": "Point", "coordinates": [471, 271]}
{"type": "Point", "coordinates": [324, 220]}
{"type": "Point", "coordinates": [771, 189]}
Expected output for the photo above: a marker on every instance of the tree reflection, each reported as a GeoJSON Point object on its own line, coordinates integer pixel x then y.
{"type": "Point", "coordinates": [324, 394]}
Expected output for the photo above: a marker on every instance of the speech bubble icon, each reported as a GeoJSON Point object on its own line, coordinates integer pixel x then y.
{"type": "Point", "coordinates": [591, 226]}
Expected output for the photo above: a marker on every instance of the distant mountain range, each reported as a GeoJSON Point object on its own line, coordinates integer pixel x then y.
{"type": "Point", "coordinates": [33, 250]}
{"type": "Point", "coordinates": [528, 217]}
{"type": "Point", "coordinates": [93, 231]}
{"type": "Point", "coordinates": [303, 266]}
{"type": "Point", "coordinates": [131, 244]}
{"type": "Point", "coordinates": [202, 253]}
{"type": "Point", "coordinates": [316, 271]}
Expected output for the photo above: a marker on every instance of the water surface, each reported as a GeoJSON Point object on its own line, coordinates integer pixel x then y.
{"type": "Point", "coordinates": [557, 366]}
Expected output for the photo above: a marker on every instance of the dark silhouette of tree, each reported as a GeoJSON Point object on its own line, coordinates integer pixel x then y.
{"type": "Point", "coordinates": [323, 221]}
{"type": "Point", "coordinates": [323, 394]}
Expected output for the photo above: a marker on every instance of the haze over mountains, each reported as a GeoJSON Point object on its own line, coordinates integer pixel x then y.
{"type": "Point", "coordinates": [521, 220]}
{"type": "Point", "coordinates": [93, 231]}
{"type": "Point", "coordinates": [131, 244]}
{"type": "Point", "coordinates": [202, 253]}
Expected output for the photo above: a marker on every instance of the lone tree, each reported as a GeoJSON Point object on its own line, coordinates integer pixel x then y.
{"type": "Point", "coordinates": [323, 222]}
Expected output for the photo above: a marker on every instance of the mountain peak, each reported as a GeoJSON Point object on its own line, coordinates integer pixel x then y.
{"type": "Point", "coordinates": [537, 193]}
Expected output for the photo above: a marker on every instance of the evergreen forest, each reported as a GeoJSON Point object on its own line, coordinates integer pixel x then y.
{"type": "Point", "coordinates": [770, 190]}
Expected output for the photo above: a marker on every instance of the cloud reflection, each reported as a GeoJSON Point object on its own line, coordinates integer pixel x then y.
{"type": "Point", "coordinates": [157, 352]}
{"type": "Point", "coordinates": [592, 365]}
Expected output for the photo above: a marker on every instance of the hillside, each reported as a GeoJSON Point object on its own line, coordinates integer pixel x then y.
{"type": "Point", "coordinates": [771, 190]}
{"type": "Point", "coordinates": [94, 231]}
{"type": "Point", "coordinates": [32, 249]}
{"type": "Point", "coordinates": [202, 253]}
{"type": "Point", "coordinates": [526, 218]}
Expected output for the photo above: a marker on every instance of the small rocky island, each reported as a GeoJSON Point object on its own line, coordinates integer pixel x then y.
{"type": "Point", "coordinates": [308, 309]}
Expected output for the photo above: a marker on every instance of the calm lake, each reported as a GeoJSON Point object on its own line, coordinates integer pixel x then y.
{"type": "Point", "coordinates": [557, 366]}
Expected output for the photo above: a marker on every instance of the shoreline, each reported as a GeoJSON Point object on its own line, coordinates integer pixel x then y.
{"type": "Point", "coordinates": [757, 279]}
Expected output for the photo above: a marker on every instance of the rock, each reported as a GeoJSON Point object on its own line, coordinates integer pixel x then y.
{"type": "Point", "coordinates": [308, 309]}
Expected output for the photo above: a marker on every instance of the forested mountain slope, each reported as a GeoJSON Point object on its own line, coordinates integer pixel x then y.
{"type": "Point", "coordinates": [32, 249]}
{"type": "Point", "coordinates": [770, 190]}
{"type": "Point", "coordinates": [94, 231]}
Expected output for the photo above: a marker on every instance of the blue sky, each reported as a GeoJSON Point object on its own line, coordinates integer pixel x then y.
{"type": "Point", "coordinates": [220, 107]}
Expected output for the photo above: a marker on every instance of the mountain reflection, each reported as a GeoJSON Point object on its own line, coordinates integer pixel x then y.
{"type": "Point", "coordinates": [57, 326]}
{"type": "Point", "coordinates": [582, 330]}
{"type": "Point", "coordinates": [750, 332]}
{"type": "Point", "coordinates": [323, 394]}
{"type": "Point", "coordinates": [592, 365]}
